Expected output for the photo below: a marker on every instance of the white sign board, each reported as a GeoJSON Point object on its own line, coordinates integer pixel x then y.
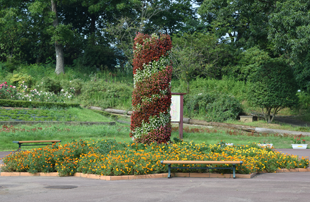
{"type": "Point", "coordinates": [175, 108]}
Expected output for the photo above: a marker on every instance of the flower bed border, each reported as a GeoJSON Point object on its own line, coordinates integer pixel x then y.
{"type": "Point", "coordinates": [129, 177]}
{"type": "Point", "coordinates": [149, 176]}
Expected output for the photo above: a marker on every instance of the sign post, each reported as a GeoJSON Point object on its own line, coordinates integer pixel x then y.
{"type": "Point", "coordinates": [176, 111]}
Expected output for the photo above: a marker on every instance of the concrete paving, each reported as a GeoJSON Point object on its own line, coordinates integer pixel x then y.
{"type": "Point", "coordinates": [284, 187]}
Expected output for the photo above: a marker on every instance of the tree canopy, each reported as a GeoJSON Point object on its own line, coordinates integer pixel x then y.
{"type": "Point", "coordinates": [213, 38]}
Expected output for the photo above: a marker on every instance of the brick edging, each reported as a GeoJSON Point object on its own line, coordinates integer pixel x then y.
{"type": "Point", "coordinates": [149, 176]}
{"type": "Point", "coordinates": [128, 177]}
{"type": "Point", "coordinates": [293, 170]}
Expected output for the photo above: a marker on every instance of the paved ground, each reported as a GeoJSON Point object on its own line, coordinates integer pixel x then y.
{"type": "Point", "coordinates": [284, 187]}
{"type": "Point", "coordinates": [2, 155]}
{"type": "Point", "coordinates": [273, 187]}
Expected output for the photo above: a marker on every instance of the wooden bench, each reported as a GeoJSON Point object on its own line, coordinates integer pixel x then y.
{"type": "Point", "coordinates": [233, 163]}
{"type": "Point", "coordinates": [34, 141]}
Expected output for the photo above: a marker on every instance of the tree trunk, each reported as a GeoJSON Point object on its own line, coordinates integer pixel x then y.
{"type": "Point", "coordinates": [60, 60]}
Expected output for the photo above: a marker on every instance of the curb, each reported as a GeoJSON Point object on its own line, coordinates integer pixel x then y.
{"type": "Point", "coordinates": [149, 176]}
{"type": "Point", "coordinates": [293, 170]}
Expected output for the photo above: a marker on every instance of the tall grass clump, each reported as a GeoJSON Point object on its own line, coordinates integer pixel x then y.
{"type": "Point", "coordinates": [204, 85]}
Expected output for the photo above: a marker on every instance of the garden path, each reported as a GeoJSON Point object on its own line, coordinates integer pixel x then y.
{"type": "Point", "coordinates": [292, 121]}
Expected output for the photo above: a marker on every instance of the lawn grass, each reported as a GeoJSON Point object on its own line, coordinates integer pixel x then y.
{"type": "Point", "coordinates": [216, 135]}
{"type": "Point", "coordinates": [88, 115]}
{"type": "Point", "coordinates": [65, 133]}
{"type": "Point", "coordinates": [120, 132]}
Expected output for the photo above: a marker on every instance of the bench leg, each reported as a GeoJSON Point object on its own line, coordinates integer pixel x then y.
{"type": "Point", "coordinates": [234, 171]}
{"type": "Point", "coordinates": [169, 170]}
{"type": "Point", "coordinates": [19, 146]}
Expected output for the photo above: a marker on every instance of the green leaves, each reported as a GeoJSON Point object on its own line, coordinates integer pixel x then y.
{"type": "Point", "coordinates": [272, 87]}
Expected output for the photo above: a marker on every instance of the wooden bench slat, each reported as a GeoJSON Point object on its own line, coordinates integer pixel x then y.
{"type": "Point", "coordinates": [36, 141]}
{"type": "Point", "coordinates": [201, 162]}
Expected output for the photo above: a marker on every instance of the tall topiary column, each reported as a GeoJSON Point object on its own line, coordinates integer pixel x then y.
{"type": "Point", "coordinates": [151, 98]}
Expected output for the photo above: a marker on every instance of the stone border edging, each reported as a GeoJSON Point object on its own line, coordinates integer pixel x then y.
{"type": "Point", "coordinates": [284, 170]}
{"type": "Point", "coordinates": [149, 176]}
{"type": "Point", "coordinates": [128, 177]}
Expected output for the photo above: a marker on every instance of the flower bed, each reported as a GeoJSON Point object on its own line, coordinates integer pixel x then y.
{"type": "Point", "coordinates": [107, 157]}
{"type": "Point", "coordinates": [24, 93]}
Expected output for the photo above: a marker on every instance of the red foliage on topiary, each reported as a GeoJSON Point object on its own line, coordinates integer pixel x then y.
{"type": "Point", "coordinates": [156, 87]}
{"type": "Point", "coordinates": [160, 135]}
{"type": "Point", "coordinates": [150, 51]}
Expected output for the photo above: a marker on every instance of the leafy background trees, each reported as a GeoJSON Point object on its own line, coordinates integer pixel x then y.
{"type": "Point", "coordinates": [214, 40]}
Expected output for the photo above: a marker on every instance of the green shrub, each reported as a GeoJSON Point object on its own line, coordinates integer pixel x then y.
{"type": "Point", "coordinates": [273, 87]}
{"type": "Point", "coordinates": [195, 105]}
{"type": "Point", "coordinates": [212, 106]}
{"type": "Point", "coordinates": [223, 108]}
{"type": "Point", "coordinates": [75, 86]}
{"type": "Point", "coordinates": [304, 100]}
{"type": "Point", "coordinates": [227, 85]}
{"type": "Point", "coordinates": [104, 94]}
{"type": "Point", "coordinates": [51, 85]}
{"type": "Point", "coordinates": [22, 103]}
{"type": "Point", "coordinates": [20, 80]}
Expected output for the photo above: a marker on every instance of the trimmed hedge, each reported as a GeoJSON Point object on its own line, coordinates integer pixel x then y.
{"type": "Point", "coordinates": [23, 103]}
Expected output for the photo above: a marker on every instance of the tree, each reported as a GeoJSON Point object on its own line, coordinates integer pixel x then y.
{"type": "Point", "coordinates": [249, 60]}
{"type": "Point", "coordinates": [92, 46]}
{"type": "Point", "coordinates": [60, 58]}
{"type": "Point", "coordinates": [13, 36]}
{"type": "Point", "coordinates": [272, 87]}
{"type": "Point", "coordinates": [197, 54]}
{"type": "Point", "coordinates": [290, 35]}
{"type": "Point", "coordinates": [176, 16]}
{"type": "Point", "coordinates": [129, 23]}
{"type": "Point", "coordinates": [147, 16]}
{"type": "Point", "coordinates": [244, 22]}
